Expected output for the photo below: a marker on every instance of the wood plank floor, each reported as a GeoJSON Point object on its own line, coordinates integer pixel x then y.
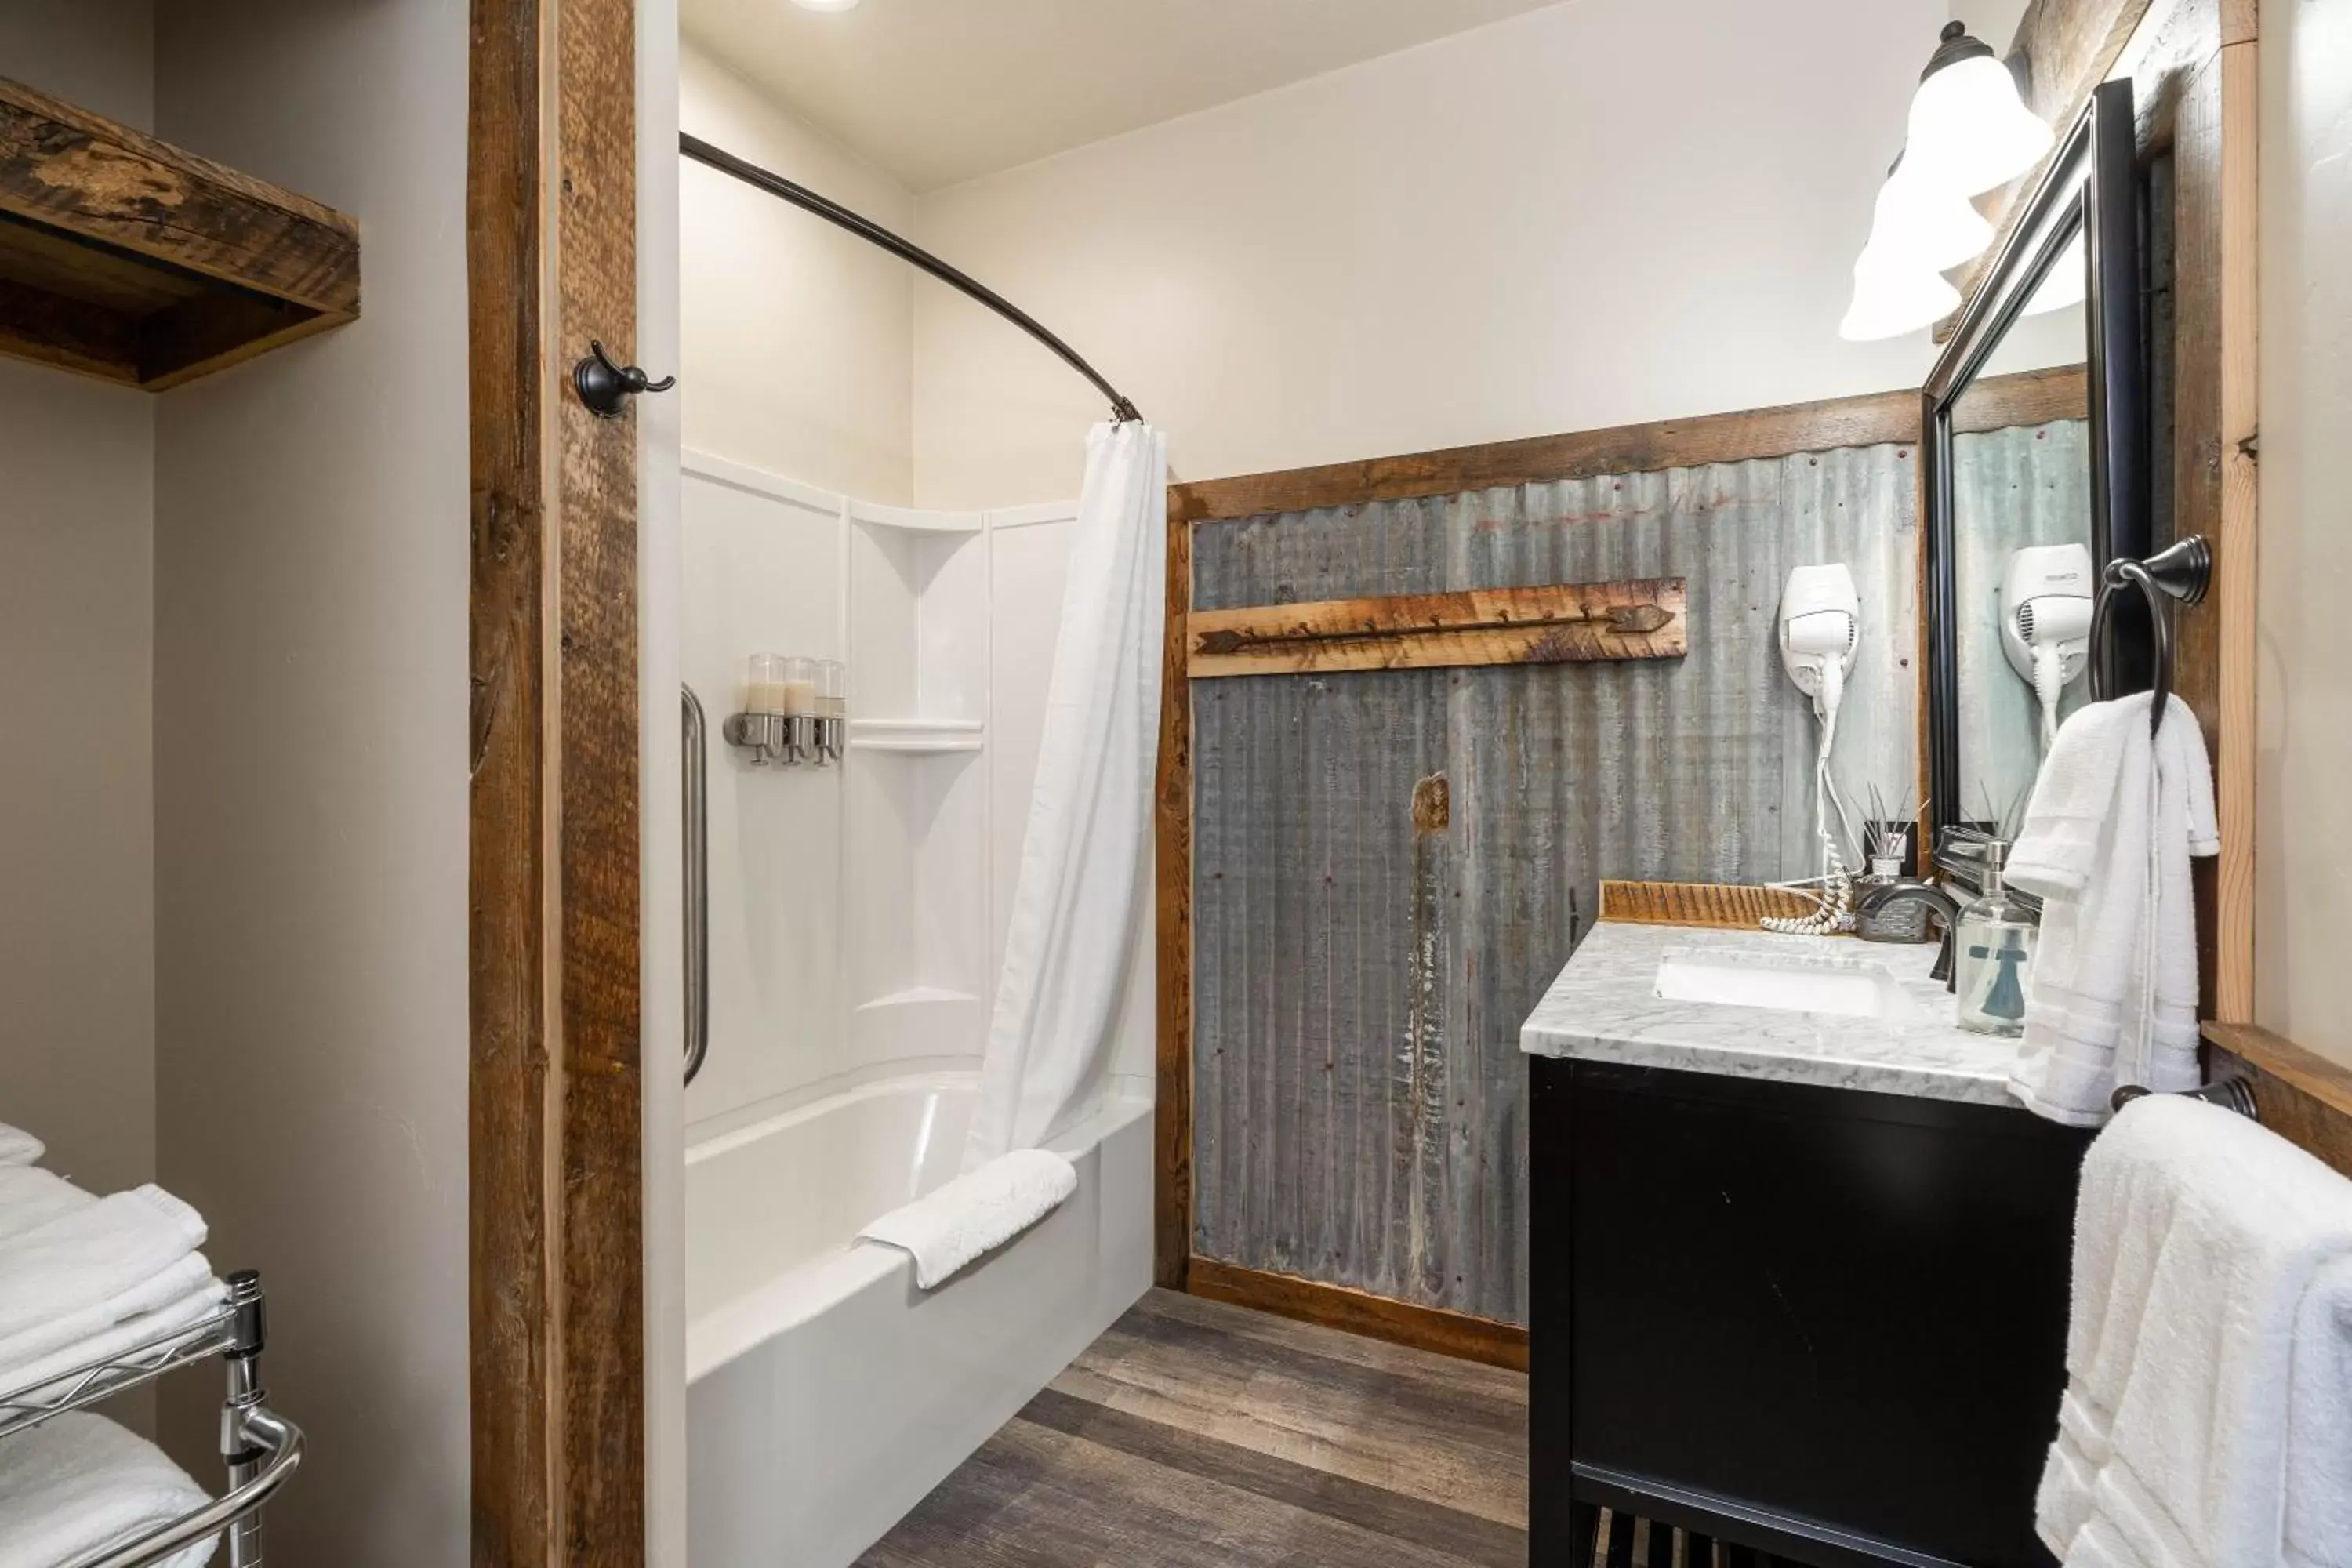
{"type": "Point", "coordinates": [1196, 1435]}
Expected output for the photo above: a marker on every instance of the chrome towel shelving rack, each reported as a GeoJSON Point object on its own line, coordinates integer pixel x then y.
{"type": "Point", "coordinates": [260, 1448]}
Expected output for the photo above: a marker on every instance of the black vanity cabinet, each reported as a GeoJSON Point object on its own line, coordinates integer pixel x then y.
{"type": "Point", "coordinates": [1829, 1323]}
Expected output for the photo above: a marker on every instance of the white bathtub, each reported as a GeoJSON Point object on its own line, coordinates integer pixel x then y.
{"type": "Point", "coordinates": [827, 1394]}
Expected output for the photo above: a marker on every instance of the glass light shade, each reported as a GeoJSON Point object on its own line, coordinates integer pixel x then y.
{"type": "Point", "coordinates": [1892, 297]}
{"type": "Point", "coordinates": [1920, 222]}
{"type": "Point", "coordinates": [1969, 130]}
{"type": "Point", "coordinates": [2068, 281]}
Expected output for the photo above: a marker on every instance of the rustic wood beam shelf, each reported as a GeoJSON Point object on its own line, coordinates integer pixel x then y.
{"type": "Point", "coordinates": [1550, 624]}
{"type": "Point", "coordinates": [124, 257]}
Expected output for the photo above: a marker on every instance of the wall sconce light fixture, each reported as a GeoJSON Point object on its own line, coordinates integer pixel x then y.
{"type": "Point", "coordinates": [1969, 132]}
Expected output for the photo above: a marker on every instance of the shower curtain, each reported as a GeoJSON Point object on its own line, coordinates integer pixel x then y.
{"type": "Point", "coordinates": [1079, 891]}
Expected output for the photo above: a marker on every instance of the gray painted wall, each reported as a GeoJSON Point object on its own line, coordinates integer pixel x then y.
{"type": "Point", "coordinates": [311, 776]}
{"type": "Point", "coordinates": [77, 779]}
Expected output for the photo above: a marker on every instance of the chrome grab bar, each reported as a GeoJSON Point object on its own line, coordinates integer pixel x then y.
{"type": "Point", "coordinates": [696, 804]}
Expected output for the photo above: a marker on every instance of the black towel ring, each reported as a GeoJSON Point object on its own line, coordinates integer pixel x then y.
{"type": "Point", "coordinates": [2179, 575]}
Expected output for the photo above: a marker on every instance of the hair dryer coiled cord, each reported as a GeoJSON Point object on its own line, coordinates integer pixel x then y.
{"type": "Point", "coordinates": [1836, 883]}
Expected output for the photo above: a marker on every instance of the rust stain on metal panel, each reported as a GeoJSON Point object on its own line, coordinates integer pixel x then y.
{"type": "Point", "coordinates": [1431, 805]}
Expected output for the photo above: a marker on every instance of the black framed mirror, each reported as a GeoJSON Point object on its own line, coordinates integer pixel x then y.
{"type": "Point", "coordinates": [2029, 498]}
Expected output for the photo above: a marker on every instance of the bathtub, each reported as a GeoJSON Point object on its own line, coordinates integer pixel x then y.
{"type": "Point", "coordinates": [826, 1393]}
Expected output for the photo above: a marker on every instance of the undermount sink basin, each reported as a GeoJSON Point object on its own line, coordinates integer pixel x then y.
{"type": "Point", "coordinates": [1854, 988]}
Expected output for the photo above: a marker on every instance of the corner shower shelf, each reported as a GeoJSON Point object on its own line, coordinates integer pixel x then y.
{"type": "Point", "coordinates": [918, 737]}
{"type": "Point", "coordinates": [127, 258]}
{"type": "Point", "coordinates": [916, 997]}
{"type": "Point", "coordinates": [915, 520]}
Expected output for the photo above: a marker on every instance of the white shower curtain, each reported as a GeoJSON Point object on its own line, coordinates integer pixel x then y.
{"type": "Point", "coordinates": [1083, 855]}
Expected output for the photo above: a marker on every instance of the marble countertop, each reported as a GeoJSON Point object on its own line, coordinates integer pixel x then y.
{"type": "Point", "coordinates": [1605, 1007]}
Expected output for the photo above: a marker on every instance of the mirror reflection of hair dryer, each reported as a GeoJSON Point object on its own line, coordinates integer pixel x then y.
{"type": "Point", "coordinates": [2046, 599]}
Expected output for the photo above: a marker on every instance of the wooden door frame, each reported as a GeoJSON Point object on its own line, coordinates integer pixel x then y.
{"type": "Point", "coordinates": [555, 1168]}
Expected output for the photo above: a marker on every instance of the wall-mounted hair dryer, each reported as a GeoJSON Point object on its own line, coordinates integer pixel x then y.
{"type": "Point", "coordinates": [2046, 600]}
{"type": "Point", "coordinates": [1821, 632]}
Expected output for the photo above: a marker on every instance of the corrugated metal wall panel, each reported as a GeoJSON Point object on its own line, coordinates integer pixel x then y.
{"type": "Point", "coordinates": [2031, 485]}
{"type": "Point", "coordinates": [1359, 977]}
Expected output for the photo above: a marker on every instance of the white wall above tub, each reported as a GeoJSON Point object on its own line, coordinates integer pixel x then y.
{"type": "Point", "coordinates": [1588, 215]}
{"type": "Point", "coordinates": [797, 339]}
{"type": "Point", "coordinates": [857, 913]}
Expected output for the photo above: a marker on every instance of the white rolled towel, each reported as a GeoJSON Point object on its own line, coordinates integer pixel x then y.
{"type": "Point", "coordinates": [975, 1214]}
{"type": "Point", "coordinates": [18, 1147]}
{"type": "Point", "coordinates": [79, 1483]}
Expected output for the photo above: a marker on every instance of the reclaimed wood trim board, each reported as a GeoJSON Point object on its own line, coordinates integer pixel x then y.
{"type": "Point", "coordinates": [602, 1473]}
{"type": "Point", "coordinates": [128, 259]}
{"type": "Point", "coordinates": [1719, 904]}
{"type": "Point", "coordinates": [1172, 874]}
{"type": "Point", "coordinates": [1555, 624]}
{"type": "Point", "coordinates": [2032, 397]}
{"type": "Point", "coordinates": [2301, 1096]}
{"type": "Point", "coordinates": [2236, 550]}
{"type": "Point", "coordinates": [2207, 92]}
{"type": "Point", "coordinates": [1456, 1334]}
{"type": "Point", "coordinates": [555, 1090]}
{"type": "Point", "coordinates": [2027, 397]}
{"type": "Point", "coordinates": [514, 1326]}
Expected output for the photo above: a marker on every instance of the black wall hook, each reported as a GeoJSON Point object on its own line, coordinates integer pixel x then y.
{"type": "Point", "coordinates": [603, 386]}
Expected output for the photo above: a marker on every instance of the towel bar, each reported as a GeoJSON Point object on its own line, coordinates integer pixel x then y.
{"type": "Point", "coordinates": [2235, 1092]}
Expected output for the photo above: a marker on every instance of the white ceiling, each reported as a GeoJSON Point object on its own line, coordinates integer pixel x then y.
{"type": "Point", "coordinates": [937, 91]}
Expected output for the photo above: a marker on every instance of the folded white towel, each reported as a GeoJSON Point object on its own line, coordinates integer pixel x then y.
{"type": "Point", "coordinates": [79, 1484]}
{"type": "Point", "coordinates": [30, 1197]}
{"type": "Point", "coordinates": [2074, 799]}
{"type": "Point", "coordinates": [18, 1147]}
{"type": "Point", "coordinates": [90, 1256]}
{"type": "Point", "coordinates": [31, 1374]}
{"type": "Point", "coordinates": [2319, 1425]}
{"type": "Point", "coordinates": [33, 1346]}
{"type": "Point", "coordinates": [2209, 1353]}
{"type": "Point", "coordinates": [2108, 834]}
{"type": "Point", "coordinates": [975, 1214]}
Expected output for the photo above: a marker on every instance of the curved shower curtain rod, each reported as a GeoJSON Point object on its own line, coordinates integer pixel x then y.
{"type": "Point", "coordinates": [865, 228]}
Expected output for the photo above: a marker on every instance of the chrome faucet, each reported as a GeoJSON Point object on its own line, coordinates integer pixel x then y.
{"type": "Point", "coordinates": [1946, 907]}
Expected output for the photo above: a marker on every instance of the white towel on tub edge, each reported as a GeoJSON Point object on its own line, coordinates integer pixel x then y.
{"type": "Point", "coordinates": [974, 1215]}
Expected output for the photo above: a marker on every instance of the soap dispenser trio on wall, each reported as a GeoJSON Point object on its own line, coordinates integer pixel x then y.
{"type": "Point", "coordinates": [794, 712]}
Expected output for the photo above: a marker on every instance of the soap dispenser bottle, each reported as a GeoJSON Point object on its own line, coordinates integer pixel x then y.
{"type": "Point", "coordinates": [1992, 955]}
